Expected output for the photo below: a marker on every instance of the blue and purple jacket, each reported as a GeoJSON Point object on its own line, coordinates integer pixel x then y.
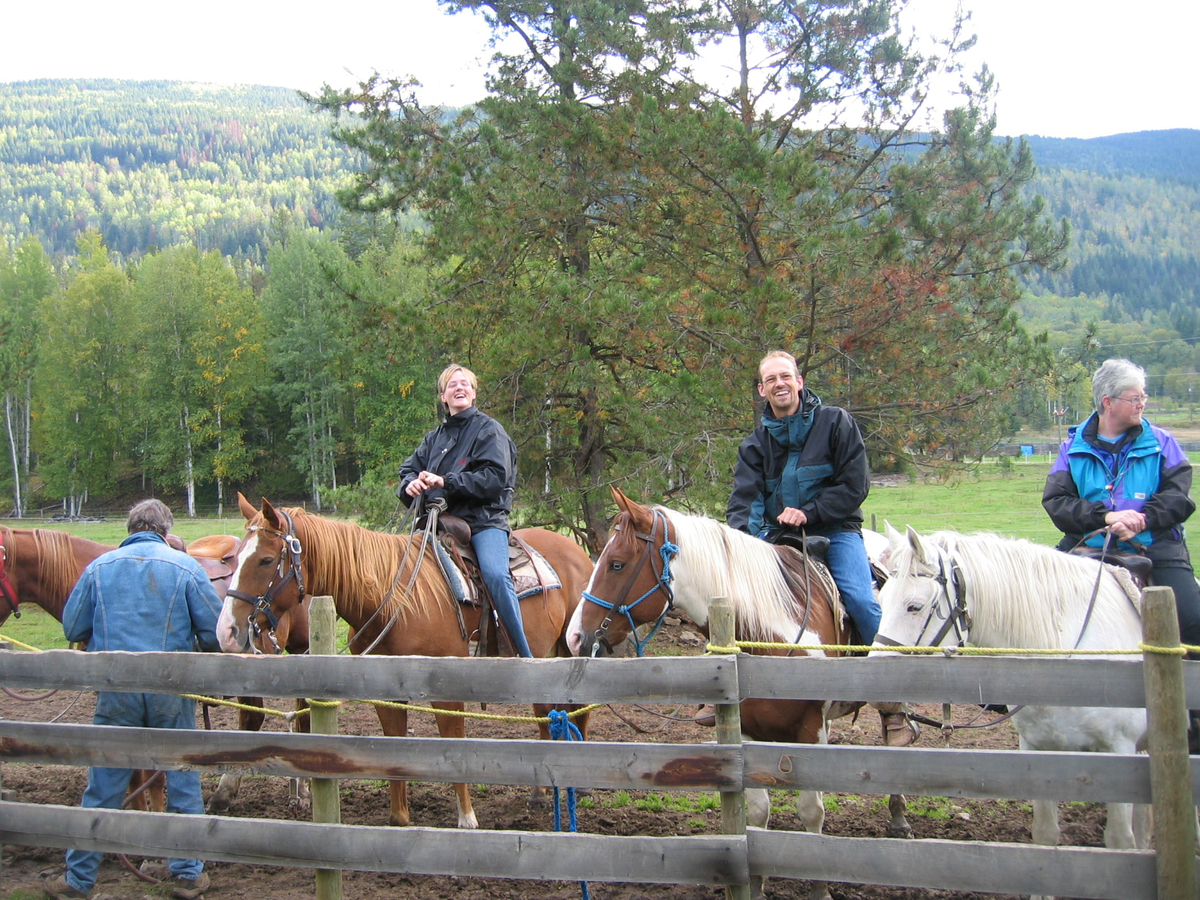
{"type": "Point", "coordinates": [1146, 470]}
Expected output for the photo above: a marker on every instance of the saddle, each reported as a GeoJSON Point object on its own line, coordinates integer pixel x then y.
{"type": "Point", "coordinates": [531, 574]}
{"type": "Point", "coordinates": [814, 545]}
{"type": "Point", "coordinates": [1140, 567]}
{"type": "Point", "coordinates": [217, 554]}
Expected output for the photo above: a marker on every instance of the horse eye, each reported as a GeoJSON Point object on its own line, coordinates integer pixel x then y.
{"type": "Point", "coordinates": [616, 566]}
{"type": "Point", "coordinates": [915, 606]}
{"type": "Point", "coordinates": [266, 561]}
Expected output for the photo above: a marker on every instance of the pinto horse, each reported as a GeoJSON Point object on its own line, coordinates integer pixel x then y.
{"type": "Point", "coordinates": [945, 587]}
{"type": "Point", "coordinates": [41, 566]}
{"type": "Point", "coordinates": [657, 559]}
{"type": "Point", "coordinates": [287, 554]}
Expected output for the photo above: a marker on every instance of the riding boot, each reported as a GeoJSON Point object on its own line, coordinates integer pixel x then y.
{"type": "Point", "coordinates": [706, 715]}
{"type": "Point", "coordinates": [898, 729]}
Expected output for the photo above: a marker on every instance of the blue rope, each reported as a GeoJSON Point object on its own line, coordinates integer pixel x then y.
{"type": "Point", "coordinates": [563, 729]}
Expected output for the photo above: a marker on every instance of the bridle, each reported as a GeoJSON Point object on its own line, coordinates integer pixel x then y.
{"type": "Point", "coordinates": [952, 588]}
{"type": "Point", "coordinates": [662, 582]}
{"type": "Point", "coordinates": [7, 591]}
{"type": "Point", "coordinates": [291, 552]}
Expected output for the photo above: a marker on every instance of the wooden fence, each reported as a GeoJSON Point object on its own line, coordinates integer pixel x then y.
{"type": "Point", "coordinates": [722, 859]}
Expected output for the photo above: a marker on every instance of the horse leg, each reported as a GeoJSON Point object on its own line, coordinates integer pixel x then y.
{"type": "Point", "coordinates": [455, 726]}
{"type": "Point", "coordinates": [222, 798]}
{"type": "Point", "coordinates": [810, 806]}
{"type": "Point", "coordinates": [1045, 830]}
{"type": "Point", "coordinates": [147, 791]}
{"type": "Point", "coordinates": [758, 814]}
{"type": "Point", "coordinates": [395, 724]}
{"type": "Point", "coordinates": [1118, 830]}
{"type": "Point", "coordinates": [897, 807]}
{"type": "Point", "coordinates": [300, 789]}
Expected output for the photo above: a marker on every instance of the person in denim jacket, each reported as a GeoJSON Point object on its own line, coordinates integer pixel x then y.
{"type": "Point", "coordinates": [142, 596]}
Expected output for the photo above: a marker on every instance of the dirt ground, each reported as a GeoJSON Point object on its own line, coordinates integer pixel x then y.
{"type": "Point", "coordinates": [502, 808]}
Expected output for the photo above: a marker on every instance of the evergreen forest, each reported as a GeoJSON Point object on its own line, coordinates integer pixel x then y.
{"type": "Point", "coordinates": [206, 289]}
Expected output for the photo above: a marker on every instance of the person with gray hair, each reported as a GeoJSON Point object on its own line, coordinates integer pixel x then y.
{"type": "Point", "coordinates": [142, 596]}
{"type": "Point", "coordinates": [1121, 480]}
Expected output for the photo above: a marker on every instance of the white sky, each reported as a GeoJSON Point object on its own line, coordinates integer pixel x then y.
{"type": "Point", "coordinates": [1066, 68]}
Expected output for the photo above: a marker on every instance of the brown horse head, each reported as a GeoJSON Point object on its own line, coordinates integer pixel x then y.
{"type": "Point", "coordinates": [630, 584]}
{"type": "Point", "coordinates": [268, 585]}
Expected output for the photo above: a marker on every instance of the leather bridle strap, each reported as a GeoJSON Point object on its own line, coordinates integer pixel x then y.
{"type": "Point", "coordinates": [292, 552]}
{"type": "Point", "coordinates": [6, 588]}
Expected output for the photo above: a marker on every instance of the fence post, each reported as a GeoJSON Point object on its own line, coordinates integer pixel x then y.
{"type": "Point", "coordinates": [1170, 768]}
{"type": "Point", "coordinates": [721, 633]}
{"type": "Point", "coordinates": [327, 806]}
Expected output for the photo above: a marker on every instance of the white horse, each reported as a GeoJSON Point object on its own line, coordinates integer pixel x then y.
{"type": "Point", "coordinates": [1000, 592]}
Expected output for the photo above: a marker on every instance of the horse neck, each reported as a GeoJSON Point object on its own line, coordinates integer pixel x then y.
{"type": "Point", "coordinates": [45, 565]}
{"type": "Point", "coordinates": [718, 561]}
{"type": "Point", "coordinates": [1021, 595]}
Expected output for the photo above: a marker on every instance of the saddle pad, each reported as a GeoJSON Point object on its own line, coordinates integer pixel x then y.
{"type": "Point", "coordinates": [525, 571]}
{"type": "Point", "coordinates": [526, 574]}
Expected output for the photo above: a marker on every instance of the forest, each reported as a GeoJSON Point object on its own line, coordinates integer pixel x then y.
{"type": "Point", "coordinates": [208, 289]}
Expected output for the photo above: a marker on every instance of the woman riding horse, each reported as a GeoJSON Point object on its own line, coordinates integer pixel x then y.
{"type": "Point", "coordinates": [471, 462]}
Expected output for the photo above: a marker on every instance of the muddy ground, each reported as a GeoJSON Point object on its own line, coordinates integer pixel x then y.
{"type": "Point", "coordinates": [502, 808]}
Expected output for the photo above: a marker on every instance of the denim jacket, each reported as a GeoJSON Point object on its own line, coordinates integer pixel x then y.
{"type": "Point", "coordinates": [143, 596]}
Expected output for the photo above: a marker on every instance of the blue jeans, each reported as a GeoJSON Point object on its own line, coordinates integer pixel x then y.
{"type": "Point", "coordinates": [851, 571]}
{"type": "Point", "coordinates": [491, 549]}
{"type": "Point", "coordinates": [106, 788]}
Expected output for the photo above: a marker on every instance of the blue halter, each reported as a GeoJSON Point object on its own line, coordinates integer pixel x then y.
{"type": "Point", "coordinates": [667, 552]}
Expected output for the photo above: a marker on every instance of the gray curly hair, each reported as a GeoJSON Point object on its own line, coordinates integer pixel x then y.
{"type": "Point", "coordinates": [150, 515]}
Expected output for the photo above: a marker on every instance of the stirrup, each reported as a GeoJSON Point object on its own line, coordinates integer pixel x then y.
{"type": "Point", "coordinates": [898, 729]}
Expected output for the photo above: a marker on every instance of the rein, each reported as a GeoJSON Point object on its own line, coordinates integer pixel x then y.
{"type": "Point", "coordinates": [667, 552]}
{"type": "Point", "coordinates": [957, 616]}
{"type": "Point", "coordinates": [6, 587]}
{"type": "Point", "coordinates": [292, 551]}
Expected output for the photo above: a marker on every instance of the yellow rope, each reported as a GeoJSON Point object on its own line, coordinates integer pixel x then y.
{"type": "Point", "coordinates": [950, 651]}
{"type": "Point", "coordinates": [16, 643]}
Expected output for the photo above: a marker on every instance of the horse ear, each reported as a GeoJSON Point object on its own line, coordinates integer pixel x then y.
{"type": "Point", "coordinates": [248, 510]}
{"type": "Point", "coordinates": [918, 547]}
{"type": "Point", "coordinates": [269, 513]}
{"type": "Point", "coordinates": [894, 537]}
{"type": "Point", "coordinates": [640, 515]}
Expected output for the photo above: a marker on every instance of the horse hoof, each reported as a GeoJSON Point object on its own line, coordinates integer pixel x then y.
{"type": "Point", "coordinates": [904, 832]}
{"type": "Point", "coordinates": [217, 806]}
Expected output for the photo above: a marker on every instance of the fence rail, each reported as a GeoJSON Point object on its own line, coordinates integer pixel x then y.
{"type": "Point", "coordinates": [729, 859]}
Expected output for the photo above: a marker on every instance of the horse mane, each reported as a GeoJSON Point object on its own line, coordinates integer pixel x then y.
{"type": "Point", "coordinates": [1029, 591]}
{"type": "Point", "coordinates": [56, 564]}
{"type": "Point", "coordinates": [358, 567]}
{"type": "Point", "coordinates": [716, 560]}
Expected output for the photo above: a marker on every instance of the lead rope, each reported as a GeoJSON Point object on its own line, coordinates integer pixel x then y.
{"type": "Point", "coordinates": [563, 729]}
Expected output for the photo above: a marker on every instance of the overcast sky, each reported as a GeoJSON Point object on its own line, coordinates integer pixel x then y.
{"type": "Point", "coordinates": [1066, 68]}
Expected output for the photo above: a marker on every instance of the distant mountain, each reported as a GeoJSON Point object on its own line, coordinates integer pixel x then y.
{"type": "Point", "coordinates": [157, 163]}
{"type": "Point", "coordinates": [1133, 201]}
{"type": "Point", "coordinates": [1172, 154]}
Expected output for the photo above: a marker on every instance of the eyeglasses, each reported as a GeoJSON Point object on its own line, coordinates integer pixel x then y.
{"type": "Point", "coordinates": [1140, 400]}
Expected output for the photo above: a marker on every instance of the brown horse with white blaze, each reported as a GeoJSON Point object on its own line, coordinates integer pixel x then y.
{"type": "Point", "coordinates": [657, 559]}
{"type": "Point", "coordinates": [287, 554]}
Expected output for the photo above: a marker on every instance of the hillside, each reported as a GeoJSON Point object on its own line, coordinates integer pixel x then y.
{"type": "Point", "coordinates": [159, 163]}
{"type": "Point", "coordinates": [151, 164]}
{"type": "Point", "coordinates": [1133, 201]}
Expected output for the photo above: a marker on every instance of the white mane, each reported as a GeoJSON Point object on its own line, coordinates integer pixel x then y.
{"type": "Point", "coordinates": [1022, 594]}
{"type": "Point", "coordinates": [718, 561]}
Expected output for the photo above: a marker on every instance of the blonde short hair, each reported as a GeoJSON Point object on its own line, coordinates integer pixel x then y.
{"type": "Point", "coordinates": [444, 378]}
{"type": "Point", "coordinates": [778, 354]}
